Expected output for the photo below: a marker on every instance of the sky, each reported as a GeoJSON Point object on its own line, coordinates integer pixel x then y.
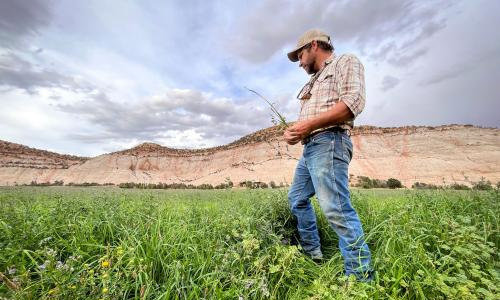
{"type": "Point", "coordinates": [92, 77]}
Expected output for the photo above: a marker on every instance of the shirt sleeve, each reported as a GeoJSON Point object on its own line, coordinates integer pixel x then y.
{"type": "Point", "coordinates": [352, 85]}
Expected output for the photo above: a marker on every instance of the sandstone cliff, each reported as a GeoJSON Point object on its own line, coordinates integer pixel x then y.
{"type": "Point", "coordinates": [438, 155]}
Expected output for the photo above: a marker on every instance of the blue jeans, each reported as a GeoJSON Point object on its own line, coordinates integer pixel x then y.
{"type": "Point", "coordinates": [323, 170]}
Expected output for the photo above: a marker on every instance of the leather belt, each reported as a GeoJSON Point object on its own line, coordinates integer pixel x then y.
{"type": "Point", "coordinates": [308, 138]}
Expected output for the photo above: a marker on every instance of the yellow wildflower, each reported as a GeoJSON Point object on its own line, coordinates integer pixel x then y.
{"type": "Point", "coordinates": [105, 264]}
{"type": "Point", "coordinates": [52, 291]}
{"type": "Point", "coordinates": [105, 290]}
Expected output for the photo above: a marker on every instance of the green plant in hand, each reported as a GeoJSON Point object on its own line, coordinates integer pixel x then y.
{"type": "Point", "coordinates": [277, 118]}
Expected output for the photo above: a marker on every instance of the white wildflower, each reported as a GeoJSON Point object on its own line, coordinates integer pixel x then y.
{"type": "Point", "coordinates": [51, 252]}
{"type": "Point", "coordinates": [44, 241]}
{"type": "Point", "coordinates": [59, 265]}
{"type": "Point", "coordinates": [12, 270]}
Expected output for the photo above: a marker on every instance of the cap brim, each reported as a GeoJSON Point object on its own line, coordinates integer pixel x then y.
{"type": "Point", "coordinates": [293, 56]}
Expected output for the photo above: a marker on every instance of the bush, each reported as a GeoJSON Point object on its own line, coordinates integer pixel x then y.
{"type": "Point", "coordinates": [393, 183]}
{"type": "Point", "coordinates": [482, 185]}
{"type": "Point", "coordinates": [368, 183]}
{"type": "Point", "coordinates": [126, 185]}
{"type": "Point", "coordinates": [229, 183]}
{"type": "Point", "coordinates": [205, 186]}
{"type": "Point", "coordinates": [458, 186]}
{"type": "Point", "coordinates": [427, 186]}
{"type": "Point", "coordinates": [364, 182]}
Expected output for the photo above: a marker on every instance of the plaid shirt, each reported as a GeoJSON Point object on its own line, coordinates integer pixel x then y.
{"type": "Point", "coordinates": [341, 79]}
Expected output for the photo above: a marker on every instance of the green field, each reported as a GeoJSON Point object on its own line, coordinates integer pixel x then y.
{"type": "Point", "coordinates": [107, 243]}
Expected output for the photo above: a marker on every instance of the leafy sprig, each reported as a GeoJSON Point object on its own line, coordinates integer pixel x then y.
{"type": "Point", "coordinates": [280, 118]}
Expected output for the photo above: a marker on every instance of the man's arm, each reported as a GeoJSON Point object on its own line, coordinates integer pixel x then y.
{"type": "Point", "coordinates": [337, 114]}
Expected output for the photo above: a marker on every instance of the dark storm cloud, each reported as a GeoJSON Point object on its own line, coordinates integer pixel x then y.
{"type": "Point", "coordinates": [180, 110]}
{"type": "Point", "coordinates": [386, 30]}
{"type": "Point", "coordinates": [22, 18]}
{"type": "Point", "coordinates": [15, 72]}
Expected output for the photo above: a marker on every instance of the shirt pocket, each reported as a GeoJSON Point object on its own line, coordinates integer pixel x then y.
{"type": "Point", "coordinates": [323, 87]}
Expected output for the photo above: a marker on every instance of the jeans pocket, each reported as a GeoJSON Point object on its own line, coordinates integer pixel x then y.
{"type": "Point", "coordinates": [347, 147]}
{"type": "Point", "coordinates": [320, 145]}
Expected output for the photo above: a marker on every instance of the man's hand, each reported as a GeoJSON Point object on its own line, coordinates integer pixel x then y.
{"type": "Point", "coordinates": [297, 132]}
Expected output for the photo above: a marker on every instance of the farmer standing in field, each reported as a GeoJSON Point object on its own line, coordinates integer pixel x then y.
{"type": "Point", "coordinates": [330, 101]}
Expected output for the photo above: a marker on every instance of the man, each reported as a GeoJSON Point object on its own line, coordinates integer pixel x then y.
{"type": "Point", "coordinates": [330, 101]}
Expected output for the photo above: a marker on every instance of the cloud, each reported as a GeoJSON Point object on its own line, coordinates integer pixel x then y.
{"type": "Point", "coordinates": [450, 73]}
{"type": "Point", "coordinates": [22, 18]}
{"type": "Point", "coordinates": [383, 30]}
{"type": "Point", "coordinates": [404, 58]}
{"type": "Point", "coordinates": [389, 82]}
{"type": "Point", "coordinates": [177, 110]}
{"type": "Point", "coordinates": [460, 69]}
{"type": "Point", "coordinates": [16, 72]}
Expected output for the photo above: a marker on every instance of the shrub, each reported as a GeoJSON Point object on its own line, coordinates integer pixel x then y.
{"type": "Point", "coordinates": [482, 185]}
{"type": "Point", "coordinates": [422, 185]}
{"type": "Point", "coordinates": [368, 183]}
{"type": "Point", "coordinates": [205, 186]}
{"type": "Point", "coordinates": [127, 185]}
{"type": "Point", "coordinates": [364, 182]}
{"type": "Point", "coordinates": [458, 186]}
{"type": "Point", "coordinates": [393, 183]}
{"type": "Point", "coordinates": [229, 183]}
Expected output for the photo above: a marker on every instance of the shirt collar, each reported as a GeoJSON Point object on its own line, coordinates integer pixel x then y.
{"type": "Point", "coordinates": [330, 59]}
{"type": "Point", "coordinates": [327, 62]}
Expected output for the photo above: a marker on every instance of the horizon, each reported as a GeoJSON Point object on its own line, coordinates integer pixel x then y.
{"type": "Point", "coordinates": [236, 140]}
{"type": "Point", "coordinates": [115, 75]}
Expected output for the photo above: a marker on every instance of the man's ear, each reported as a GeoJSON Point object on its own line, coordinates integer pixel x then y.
{"type": "Point", "coordinates": [314, 45]}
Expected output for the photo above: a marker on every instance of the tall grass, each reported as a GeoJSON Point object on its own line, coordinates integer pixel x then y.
{"type": "Point", "coordinates": [98, 243]}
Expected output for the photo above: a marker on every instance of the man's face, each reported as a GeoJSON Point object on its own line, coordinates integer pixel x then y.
{"type": "Point", "coordinates": [307, 60]}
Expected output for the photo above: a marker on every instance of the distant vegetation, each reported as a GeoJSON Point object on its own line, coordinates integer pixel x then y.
{"type": "Point", "coordinates": [482, 185]}
{"type": "Point", "coordinates": [369, 183]}
{"type": "Point", "coordinates": [362, 182]}
{"type": "Point", "coordinates": [61, 183]}
{"type": "Point", "coordinates": [392, 183]}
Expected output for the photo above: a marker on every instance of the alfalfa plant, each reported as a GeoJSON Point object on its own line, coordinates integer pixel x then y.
{"type": "Point", "coordinates": [277, 118]}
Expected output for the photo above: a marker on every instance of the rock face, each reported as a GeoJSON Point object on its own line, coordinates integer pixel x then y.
{"type": "Point", "coordinates": [437, 155]}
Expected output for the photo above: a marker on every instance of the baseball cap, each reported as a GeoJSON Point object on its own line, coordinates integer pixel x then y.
{"type": "Point", "coordinates": [306, 38]}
